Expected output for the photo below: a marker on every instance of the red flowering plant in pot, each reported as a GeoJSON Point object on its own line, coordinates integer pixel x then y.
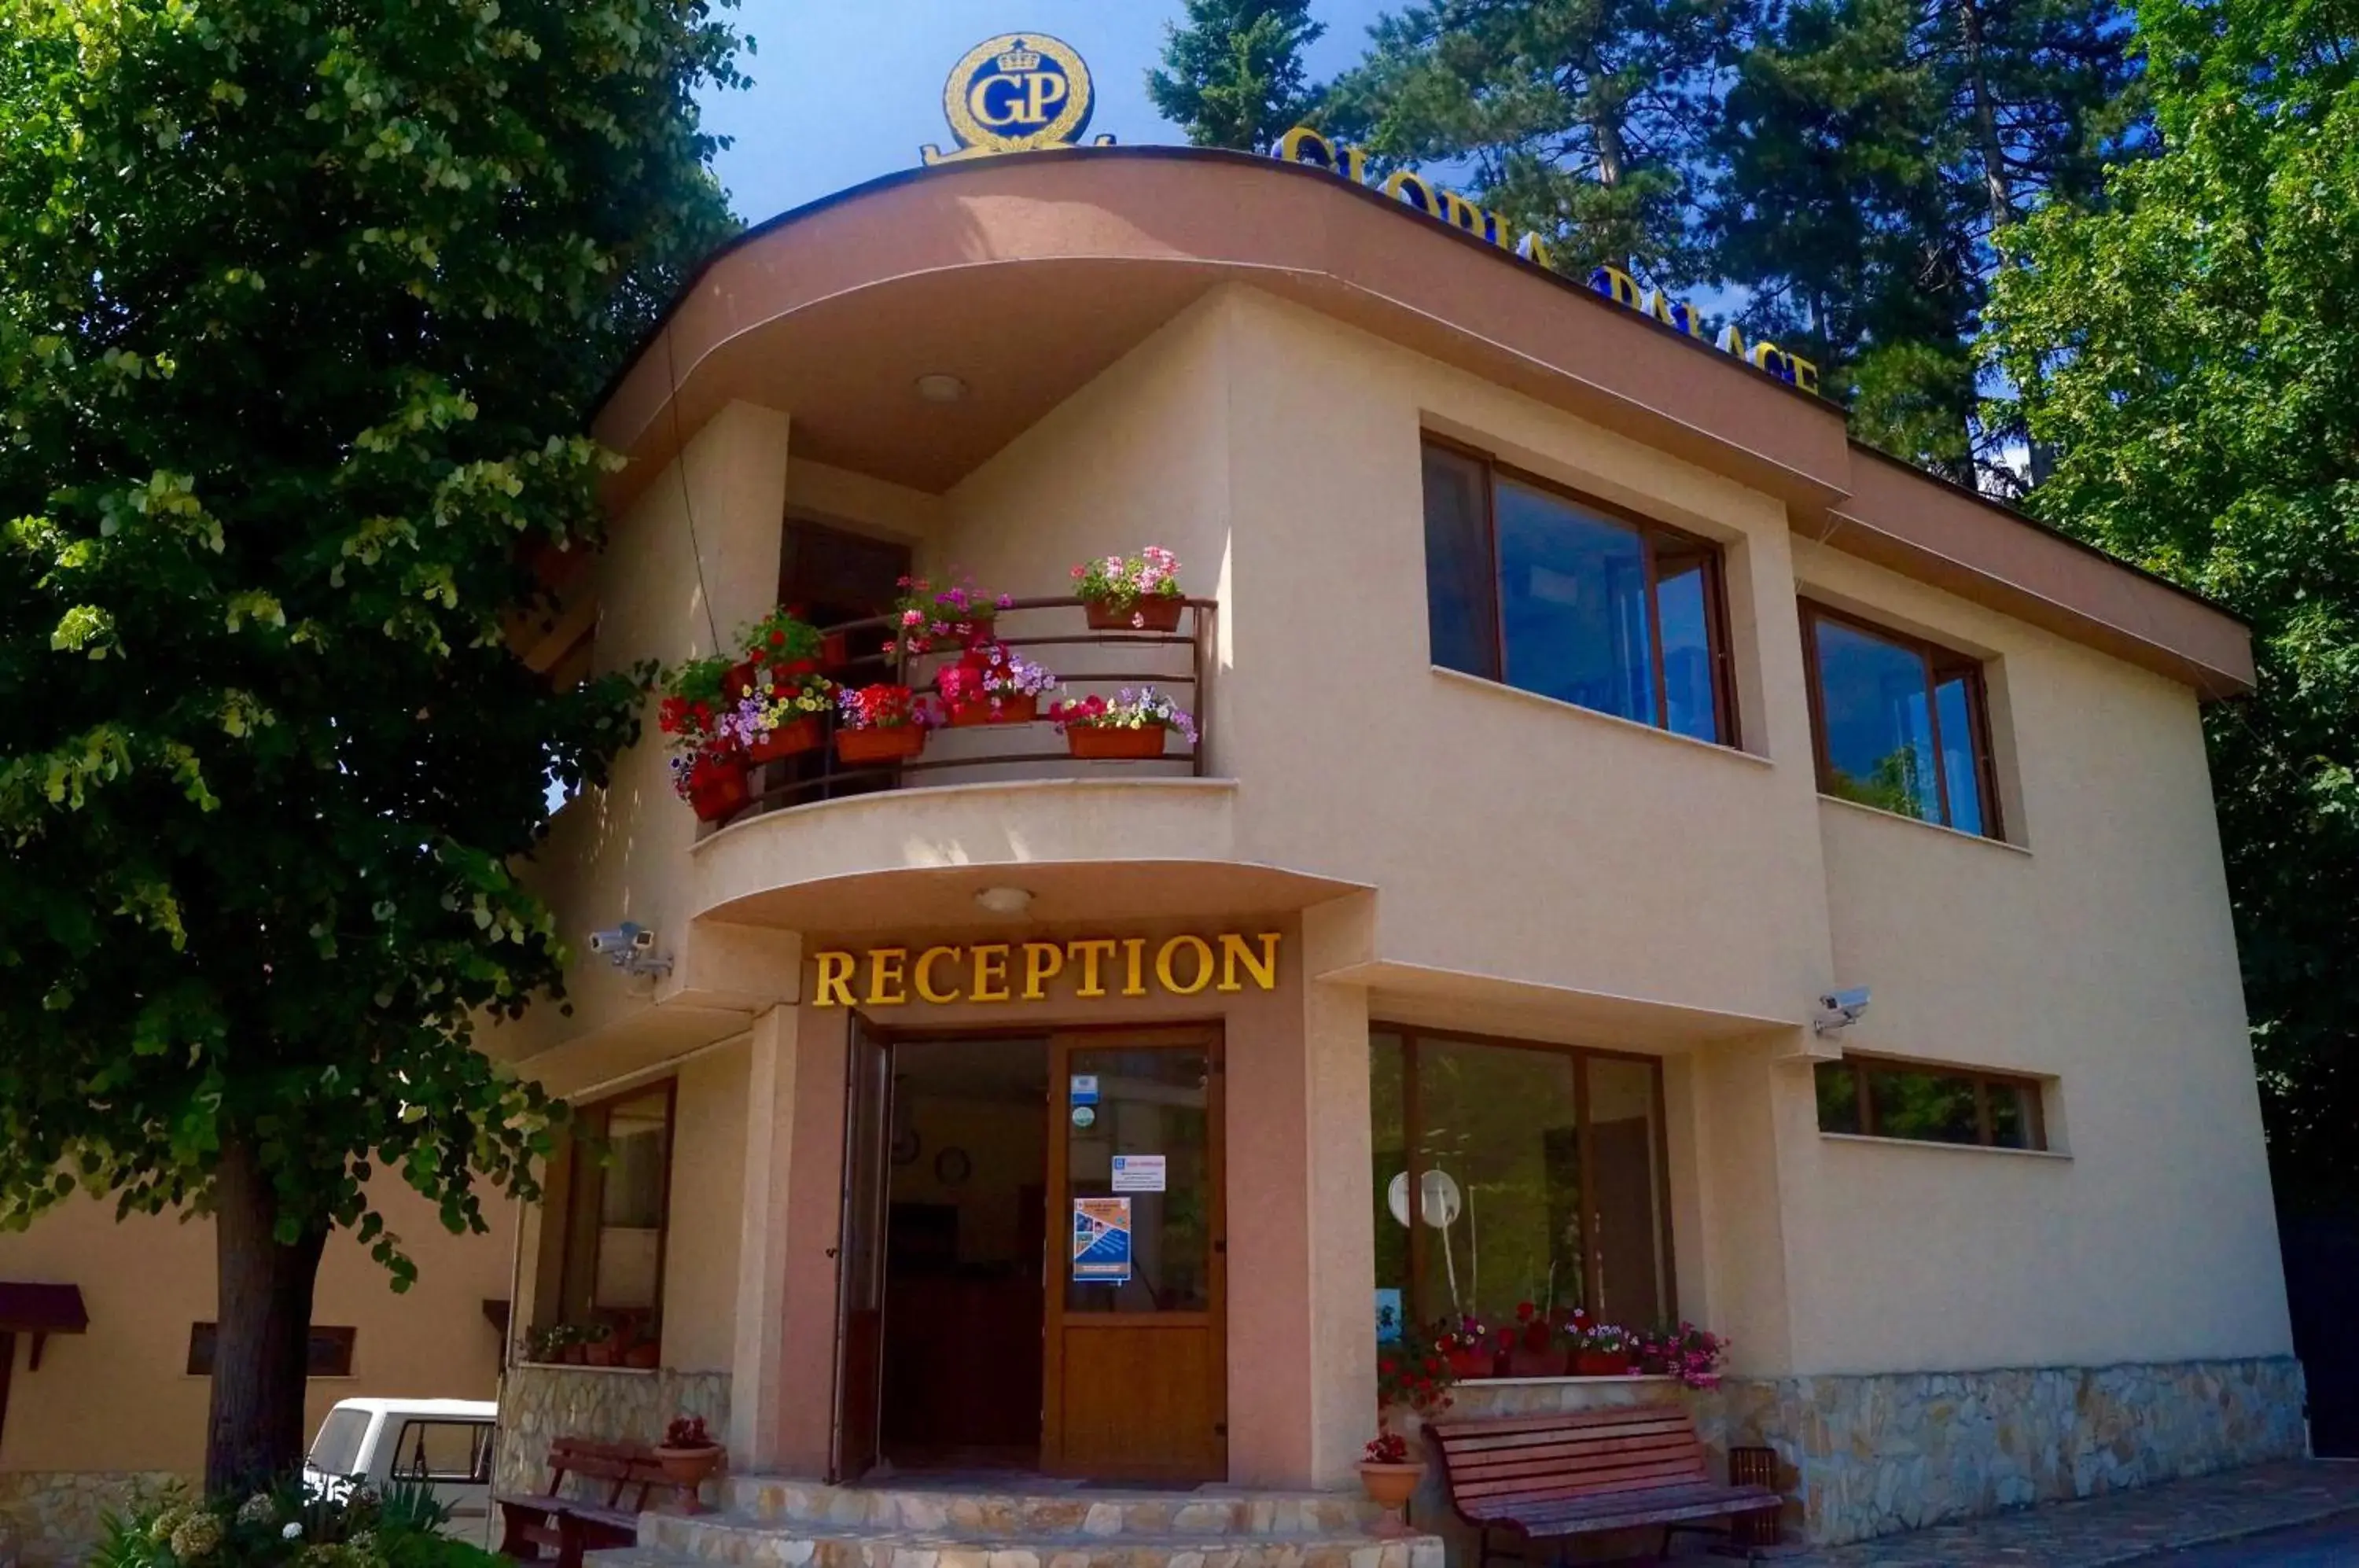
{"type": "Point", "coordinates": [689, 1456]}
{"type": "Point", "coordinates": [781, 640]}
{"type": "Point", "coordinates": [1531, 1344]}
{"type": "Point", "coordinates": [1139, 593]}
{"type": "Point", "coordinates": [696, 719]}
{"type": "Point", "coordinates": [1468, 1345]}
{"type": "Point", "coordinates": [879, 724]}
{"type": "Point", "coordinates": [991, 685]}
{"type": "Point", "coordinates": [1413, 1378]}
{"type": "Point", "coordinates": [1134, 725]}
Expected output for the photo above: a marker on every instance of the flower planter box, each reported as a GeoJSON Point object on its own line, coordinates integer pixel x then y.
{"type": "Point", "coordinates": [1523, 1361]}
{"type": "Point", "coordinates": [1156, 612]}
{"type": "Point", "coordinates": [1601, 1363]}
{"type": "Point", "coordinates": [1011, 711]}
{"type": "Point", "coordinates": [834, 650]}
{"type": "Point", "coordinates": [869, 748]}
{"type": "Point", "coordinates": [1467, 1363]}
{"type": "Point", "coordinates": [1107, 743]}
{"type": "Point", "coordinates": [1390, 1486]}
{"type": "Point", "coordinates": [787, 740]}
{"type": "Point", "coordinates": [717, 789]}
{"type": "Point", "coordinates": [740, 679]}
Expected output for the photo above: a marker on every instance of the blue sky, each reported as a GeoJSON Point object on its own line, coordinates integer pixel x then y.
{"type": "Point", "coordinates": [847, 90]}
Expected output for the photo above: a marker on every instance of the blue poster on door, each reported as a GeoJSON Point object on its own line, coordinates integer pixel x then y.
{"type": "Point", "coordinates": [1102, 1241]}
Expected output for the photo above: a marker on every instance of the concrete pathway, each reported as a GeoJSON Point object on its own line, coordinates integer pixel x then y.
{"type": "Point", "coordinates": [2151, 1523]}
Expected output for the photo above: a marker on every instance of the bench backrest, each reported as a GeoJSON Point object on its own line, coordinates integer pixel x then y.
{"type": "Point", "coordinates": [622, 1464]}
{"type": "Point", "coordinates": [1497, 1466]}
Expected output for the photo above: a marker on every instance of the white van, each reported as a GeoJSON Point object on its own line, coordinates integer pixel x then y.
{"type": "Point", "coordinates": [444, 1443]}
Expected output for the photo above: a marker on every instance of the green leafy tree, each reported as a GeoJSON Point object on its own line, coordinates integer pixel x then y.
{"type": "Point", "coordinates": [1234, 77]}
{"type": "Point", "coordinates": [1583, 121]}
{"type": "Point", "coordinates": [1867, 152]}
{"type": "Point", "coordinates": [302, 307]}
{"type": "Point", "coordinates": [2191, 356]}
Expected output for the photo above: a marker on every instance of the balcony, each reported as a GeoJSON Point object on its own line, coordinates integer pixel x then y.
{"type": "Point", "coordinates": [1049, 631]}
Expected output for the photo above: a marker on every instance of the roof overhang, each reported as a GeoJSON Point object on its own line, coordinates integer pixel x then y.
{"type": "Point", "coordinates": [1026, 275]}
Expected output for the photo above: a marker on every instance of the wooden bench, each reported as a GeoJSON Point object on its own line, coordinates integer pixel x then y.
{"type": "Point", "coordinates": [555, 1528]}
{"type": "Point", "coordinates": [1541, 1477]}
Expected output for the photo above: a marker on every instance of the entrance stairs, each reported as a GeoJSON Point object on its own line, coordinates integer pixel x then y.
{"type": "Point", "coordinates": [1010, 1521]}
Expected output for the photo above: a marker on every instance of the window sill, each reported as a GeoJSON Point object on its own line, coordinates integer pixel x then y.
{"type": "Point", "coordinates": [1559, 705]}
{"type": "Point", "coordinates": [583, 1366]}
{"type": "Point", "coordinates": [1553, 1382]}
{"type": "Point", "coordinates": [1883, 815]}
{"type": "Point", "coordinates": [1944, 1148]}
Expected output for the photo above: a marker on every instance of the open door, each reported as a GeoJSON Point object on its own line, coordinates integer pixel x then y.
{"type": "Point", "coordinates": [860, 1257]}
{"type": "Point", "coordinates": [1134, 1371]}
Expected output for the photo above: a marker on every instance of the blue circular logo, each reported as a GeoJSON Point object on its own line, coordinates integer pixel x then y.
{"type": "Point", "coordinates": [1019, 92]}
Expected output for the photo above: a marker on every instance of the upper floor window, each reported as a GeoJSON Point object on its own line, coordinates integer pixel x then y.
{"type": "Point", "coordinates": [1572, 599]}
{"type": "Point", "coordinates": [1900, 723]}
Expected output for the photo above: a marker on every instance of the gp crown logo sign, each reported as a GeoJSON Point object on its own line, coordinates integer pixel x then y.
{"type": "Point", "coordinates": [1016, 93]}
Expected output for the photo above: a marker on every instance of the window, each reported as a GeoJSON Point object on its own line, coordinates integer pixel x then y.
{"type": "Point", "coordinates": [328, 1355]}
{"type": "Point", "coordinates": [1893, 1099]}
{"type": "Point", "coordinates": [1900, 724]}
{"type": "Point", "coordinates": [1573, 599]}
{"type": "Point", "coordinates": [443, 1451]}
{"type": "Point", "coordinates": [336, 1450]}
{"type": "Point", "coordinates": [611, 1231]}
{"type": "Point", "coordinates": [1540, 1171]}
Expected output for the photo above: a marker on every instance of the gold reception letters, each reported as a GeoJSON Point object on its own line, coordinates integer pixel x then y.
{"type": "Point", "coordinates": [1010, 972]}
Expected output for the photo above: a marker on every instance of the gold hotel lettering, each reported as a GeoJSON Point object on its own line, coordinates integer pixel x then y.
{"type": "Point", "coordinates": [1182, 967]}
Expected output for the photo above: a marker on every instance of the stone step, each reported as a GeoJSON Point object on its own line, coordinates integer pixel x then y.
{"type": "Point", "coordinates": [672, 1540]}
{"type": "Point", "coordinates": [1047, 1507]}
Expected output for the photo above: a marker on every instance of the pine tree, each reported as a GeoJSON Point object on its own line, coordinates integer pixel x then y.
{"type": "Point", "coordinates": [1867, 152]}
{"type": "Point", "coordinates": [1581, 120]}
{"type": "Point", "coordinates": [1234, 77]}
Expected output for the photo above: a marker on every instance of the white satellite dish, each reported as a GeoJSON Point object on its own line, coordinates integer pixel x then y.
{"type": "Point", "coordinates": [1440, 1204]}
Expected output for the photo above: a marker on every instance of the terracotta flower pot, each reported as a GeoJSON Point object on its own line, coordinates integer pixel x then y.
{"type": "Point", "coordinates": [1523, 1361]}
{"type": "Point", "coordinates": [858, 749]}
{"type": "Point", "coordinates": [645, 1355]}
{"type": "Point", "coordinates": [715, 789]}
{"type": "Point", "coordinates": [1474, 1364]}
{"type": "Point", "coordinates": [1390, 1486]}
{"type": "Point", "coordinates": [1601, 1363]}
{"type": "Point", "coordinates": [739, 678]}
{"type": "Point", "coordinates": [1154, 612]}
{"type": "Point", "coordinates": [1011, 711]}
{"type": "Point", "coordinates": [787, 740]}
{"type": "Point", "coordinates": [572, 1355]}
{"type": "Point", "coordinates": [688, 1468]}
{"type": "Point", "coordinates": [834, 650]}
{"type": "Point", "coordinates": [1107, 742]}
{"type": "Point", "coordinates": [600, 1354]}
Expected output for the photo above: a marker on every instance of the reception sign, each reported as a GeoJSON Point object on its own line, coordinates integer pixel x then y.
{"type": "Point", "coordinates": [1087, 967]}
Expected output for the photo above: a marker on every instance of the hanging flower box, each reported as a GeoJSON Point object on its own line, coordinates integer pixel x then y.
{"type": "Point", "coordinates": [878, 725]}
{"type": "Point", "coordinates": [713, 784]}
{"type": "Point", "coordinates": [791, 739]}
{"type": "Point", "coordinates": [1134, 594]}
{"type": "Point", "coordinates": [1005, 710]}
{"type": "Point", "coordinates": [1133, 727]}
{"type": "Point", "coordinates": [990, 685]}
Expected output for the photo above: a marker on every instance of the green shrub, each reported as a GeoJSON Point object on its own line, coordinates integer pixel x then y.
{"type": "Point", "coordinates": [288, 1527]}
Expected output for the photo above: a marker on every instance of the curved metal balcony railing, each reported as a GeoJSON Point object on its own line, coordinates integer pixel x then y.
{"type": "Point", "coordinates": [1176, 661]}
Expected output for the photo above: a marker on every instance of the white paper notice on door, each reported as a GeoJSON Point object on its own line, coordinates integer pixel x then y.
{"type": "Point", "coordinates": [1138, 1173]}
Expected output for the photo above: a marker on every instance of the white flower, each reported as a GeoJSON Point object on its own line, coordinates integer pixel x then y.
{"type": "Point", "coordinates": [294, 1530]}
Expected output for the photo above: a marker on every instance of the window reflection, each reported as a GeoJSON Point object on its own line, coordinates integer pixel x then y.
{"type": "Point", "coordinates": [1892, 1099]}
{"type": "Point", "coordinates": [1900, 724]}
{"type": "Point", "coordinates": [1572, 596]}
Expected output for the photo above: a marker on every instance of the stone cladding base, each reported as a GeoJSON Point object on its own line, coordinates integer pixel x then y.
{"type": "Point", "coordinates": [1860, 1457]}
{"type": "Point", "coordinates": [539, 1404]}
{"type": "Point", "coordinates": [58, 1515]}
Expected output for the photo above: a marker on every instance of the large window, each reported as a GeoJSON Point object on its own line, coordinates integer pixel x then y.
{"type": "Point", "coordinates": [1929, 1105]}
{"type": "Point", "coordinates": [1508, 1172]}
{"type": "Point", "coordinates": [609, 1230]}
{"type": "Point", "coordinates": [1572, 599]}
{"type": "Point", "coordinates": [1900, 724]}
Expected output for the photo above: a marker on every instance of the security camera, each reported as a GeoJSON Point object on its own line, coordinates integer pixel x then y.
{"type": "Point", "coordinates": [1840, 1009]}
{"type": "Point", "coordinates": [618, 939]}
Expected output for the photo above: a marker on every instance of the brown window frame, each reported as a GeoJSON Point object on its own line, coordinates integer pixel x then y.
{"type": "Point", "coordinates": [327, 1354]}
{"type": "Point", "coordinates": [573, 1232]}
{"type": "Point", "coordinates": [1412, 1125]}
{"type": "Point", "coordinates": [1863, 1068]}
{"type": "Point", "coordinates": [1716, 588]}
{"type": "Point", "coordinates": [1940, 665]}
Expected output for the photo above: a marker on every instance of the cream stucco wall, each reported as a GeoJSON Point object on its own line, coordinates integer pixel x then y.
{"type": "Point", "coordinates": [1533, 868]}
{"type": "Point", "coordinates": [118, 1397]}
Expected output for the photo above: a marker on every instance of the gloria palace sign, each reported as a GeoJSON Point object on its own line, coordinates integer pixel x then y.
{"type": "Point", "coordinates": [1030, 92]}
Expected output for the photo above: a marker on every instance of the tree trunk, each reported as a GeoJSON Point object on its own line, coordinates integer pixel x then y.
{"type": "Point", "coordinates": [1997, 189]}
{"type": "Point", "coordinates": [262, 1330]}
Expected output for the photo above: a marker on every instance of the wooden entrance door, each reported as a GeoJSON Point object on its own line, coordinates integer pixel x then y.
{"type": "Point", "coordinates": [860, 1257]}
{"type": "Point", "coordinates": [1135, 1375]}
